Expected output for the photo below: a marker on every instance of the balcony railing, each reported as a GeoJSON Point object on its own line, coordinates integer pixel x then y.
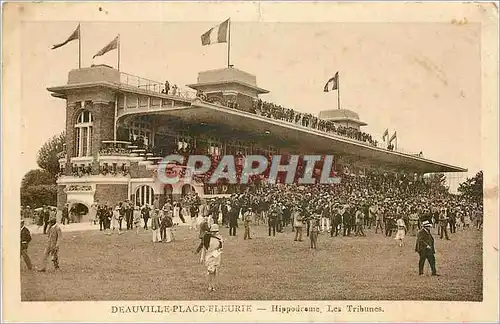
{"type": "Point", "coordinates": [154, 86]}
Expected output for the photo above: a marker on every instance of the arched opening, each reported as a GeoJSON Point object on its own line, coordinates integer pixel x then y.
{"type": "Point", "coordinates": [167, 191]}
{"type": "Point", "coordinates": [144, 195]}
{"type": "Point", "coordinates": [186, 189]}
{"type": "Point", "coordinates": [77, 212]}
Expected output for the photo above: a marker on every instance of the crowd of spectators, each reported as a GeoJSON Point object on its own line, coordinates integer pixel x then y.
{"type": "Point", "coordinates": [357, 202]}
{"type": "Point", "coordinates": [271, 110]}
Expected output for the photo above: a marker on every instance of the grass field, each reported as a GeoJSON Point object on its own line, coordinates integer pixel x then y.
{"type": "Point", "coordinates": [95, 266]}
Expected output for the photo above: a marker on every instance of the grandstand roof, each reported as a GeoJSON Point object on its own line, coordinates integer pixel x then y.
{"type": "Point", "coordinates": [232, 122]}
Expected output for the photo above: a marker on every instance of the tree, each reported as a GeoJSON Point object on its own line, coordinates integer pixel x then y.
{"type": "Point", "coordinates": [47, 157]}
{"type": "Point", "coordinates": [37, 177]}
{"type": "Point", "coordinates": [438, 181]}
{"type": "Point", "coordinates": [39, 195]}
{"type": "Point", "coordinates": [38, 187]}
{"type": "Point", "coordinates": [472, 188]}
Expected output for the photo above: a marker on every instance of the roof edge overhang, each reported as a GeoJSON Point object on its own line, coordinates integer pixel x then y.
{"type": "Point", "coordinates": [348, 119]}
{"type": "Point", "coordinates": [197, 86]}
{"type": "Point", "coordinates": [62, 91]}
{"type": "Point", "coordinates": [435, 164]}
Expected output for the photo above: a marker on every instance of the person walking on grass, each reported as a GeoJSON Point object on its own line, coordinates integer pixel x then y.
{"type": "Point", "coordinates": [25, 240]}
{"type": "Point", "coordinates": [247, 221]}
{"type": "Point", "coordinates": [137, 219]}
{"type": "Point", "coordinates": [145, 215]}
{"type": "Point", "coordinates": [204, 230]}
{"type": "Point", "coordinates": [425, 248]}
{"type": "Point", "coordinates": [298, 223]}
{"type": "Point", "coordinates": [212, 245]}
{"type": "Point", "coordinates": [401, 230]}
{"type": "Point", "coordinates": [169, 227]}
{"type": "Point", "coordinates": [116, 221]}
{"type": "Point", "coordinates": [155, 225]}
{"type": "Point", "coordinates": [314, 231]}
{"type": "Point", "coordinates": [359, 222]}
{"type": "Point", "coordinates": [53, 242]}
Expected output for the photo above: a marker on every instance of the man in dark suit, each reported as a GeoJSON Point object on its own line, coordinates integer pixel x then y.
{"type": "Point", "coordinates": [25, 240]}
{"type": "Point", "coordinates": [425, 248]}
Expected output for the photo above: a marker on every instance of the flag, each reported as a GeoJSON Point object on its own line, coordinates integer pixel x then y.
{"type": "Point", "coordinates": [386, 133]}
{"type": "Point", "coordinates": [332, 84]}
{"type": "Point", "coordinates": [392, 137]}
{"type": "Point", "coordinates": [216, 34]}
{"type": "Point", "coordinates": [72, 37]}
{"type": "Point", "coordinates": [111, 46]}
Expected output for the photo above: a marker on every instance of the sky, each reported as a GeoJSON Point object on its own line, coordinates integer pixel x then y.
{"type": "Point", "coordinates": [422, 80]}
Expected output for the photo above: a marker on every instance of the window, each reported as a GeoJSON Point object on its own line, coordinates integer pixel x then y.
{"type": "Point", "coordinates": [83, 134]}
{"type": "Point", "coordinates": [141, 129]}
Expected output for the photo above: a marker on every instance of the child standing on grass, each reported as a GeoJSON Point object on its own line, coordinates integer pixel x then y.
{"type": "Point", "coordinates": [313, 232]}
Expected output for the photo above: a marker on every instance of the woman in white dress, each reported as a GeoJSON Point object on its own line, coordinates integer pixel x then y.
{"type": "Point", "coordinates": [400, 234]}
{"type": "Point", "coordinates": [93, 214]}
{"type": "Point", "coordinates": [212, 245]}
{"type": "Point", "coordinates": [115, 220]}
{"type": "Point", "coordinates": [137, 218]}
{"type": "Point", "coordinates": [177, 210]}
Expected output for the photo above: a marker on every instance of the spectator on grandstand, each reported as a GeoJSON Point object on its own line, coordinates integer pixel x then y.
{"type": "Point", "coordinates": [167, 87]}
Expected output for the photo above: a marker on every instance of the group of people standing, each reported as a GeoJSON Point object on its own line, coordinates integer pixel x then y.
{"type": "Point", "coordinates": [54, 236]}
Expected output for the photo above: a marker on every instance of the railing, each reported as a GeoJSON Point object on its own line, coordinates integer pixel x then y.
{"type": "Point", "coordinates": [154, 86]}
{"type": "Point", "coordinates": [397, 149]}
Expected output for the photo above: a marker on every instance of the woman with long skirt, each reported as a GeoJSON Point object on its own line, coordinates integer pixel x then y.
{"type": "Point", "coordinates": [212, 246]}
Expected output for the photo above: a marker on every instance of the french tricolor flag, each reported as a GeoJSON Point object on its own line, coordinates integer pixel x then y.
{"type": "Point", "coordinates": [216, 34]}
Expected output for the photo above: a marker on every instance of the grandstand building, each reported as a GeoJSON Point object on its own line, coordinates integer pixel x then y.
{"type": "Point", "coordinates": [119, 126]}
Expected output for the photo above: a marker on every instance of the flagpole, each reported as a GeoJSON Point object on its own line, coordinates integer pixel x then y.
{"type": "Point", "coordinates": [79, 46]}
{"type": "Point", "coordinates": [338, 91]}
{"type": "Point", "coordinates": [229, 44]}
{"type": "Point", "coordinates": [119, 45]}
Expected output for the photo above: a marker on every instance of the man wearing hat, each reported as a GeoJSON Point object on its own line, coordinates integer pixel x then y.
{"type": "Point", "coordinates": [25, 240]}
{"type": "Point", "coordinates": [45, 217]}
{"type": "Point", "coordinates": [247, 220]}
{"type": "Point", "coordinates": [53, 242]}
{"type": "Point", "coordinates": [425, 248]}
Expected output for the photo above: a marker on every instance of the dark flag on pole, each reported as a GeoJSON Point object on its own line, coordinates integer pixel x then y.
{"type": "Point", "coordinates": [111, 46]}
{"type": "Point", "coordinates": [332, 84]}
{"type": "Point", "coordinates": [75, 35]}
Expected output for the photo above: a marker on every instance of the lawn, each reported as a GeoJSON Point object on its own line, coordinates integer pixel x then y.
{"type": "Point", "coordinates": [95, 266]}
